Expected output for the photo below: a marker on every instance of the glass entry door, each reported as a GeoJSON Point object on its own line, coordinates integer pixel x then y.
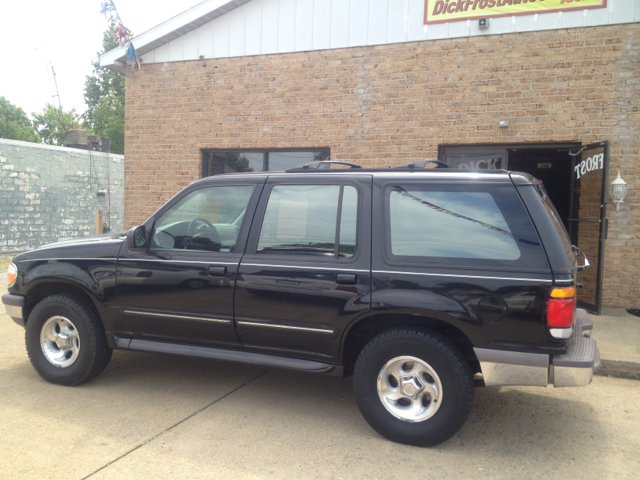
{"type": "Point", "coordinates": [588, 224]}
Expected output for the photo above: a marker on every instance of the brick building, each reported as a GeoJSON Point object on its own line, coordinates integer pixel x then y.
{"type": "Point", "coordinates": [271, 84]}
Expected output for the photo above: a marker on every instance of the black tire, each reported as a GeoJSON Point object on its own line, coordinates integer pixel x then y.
{"type": "Point", "coordinates": [92, 354]}
{"type": "Point", "coordinates": [452, 372]}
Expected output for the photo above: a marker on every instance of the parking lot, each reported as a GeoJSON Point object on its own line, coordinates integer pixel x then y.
{"type": "Point", "coordinates": [154, 416]}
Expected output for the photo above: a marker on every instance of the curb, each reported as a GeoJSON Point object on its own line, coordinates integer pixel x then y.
{"type": "Point", "coordinates": [618, 369]}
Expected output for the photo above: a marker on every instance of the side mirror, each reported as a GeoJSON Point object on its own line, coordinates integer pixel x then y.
{"type": "Point", "coordinates": [577, 253]}
{"type": "Point", "coordinates": [586, 262]}
{"type": "Point", "coordinates": [136, 237]}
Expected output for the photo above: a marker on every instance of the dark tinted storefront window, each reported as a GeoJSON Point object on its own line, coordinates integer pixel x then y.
{"type": "Point", "coordinates": [228, 161]}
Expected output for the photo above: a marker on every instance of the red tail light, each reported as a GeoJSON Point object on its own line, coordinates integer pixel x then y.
{"type": "Point", "coordinates": [560, 312]}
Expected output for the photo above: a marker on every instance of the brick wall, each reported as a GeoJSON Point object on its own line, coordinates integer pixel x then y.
{"type": "Point", "coordinates": [50, 193]}
{"type": "Point", "coordinates": [391, 104]}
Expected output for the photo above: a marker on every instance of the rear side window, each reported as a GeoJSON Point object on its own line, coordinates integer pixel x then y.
{"type": "Point", "coordinates": [318, 220]}
{"type": "Point", "coordinates": [465, 226]}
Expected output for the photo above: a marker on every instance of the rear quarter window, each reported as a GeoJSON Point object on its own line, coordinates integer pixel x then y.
{"type": "Point", "coordinates": [460, 226]}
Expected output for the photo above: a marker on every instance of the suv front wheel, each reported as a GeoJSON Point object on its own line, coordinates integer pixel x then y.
{"type": "Point", "coordinates": [413, 387]}
{"type": "Point", "coordinates": [65, 340]}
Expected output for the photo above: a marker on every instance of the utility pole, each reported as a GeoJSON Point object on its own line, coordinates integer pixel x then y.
{"type": "Point", "coordinates": [59, 100]}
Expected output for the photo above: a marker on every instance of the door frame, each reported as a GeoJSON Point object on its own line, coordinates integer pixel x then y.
{"type": "Point", "coordinates": [485, 148]}
{"type": "Point", "coordinates": [604, 224]}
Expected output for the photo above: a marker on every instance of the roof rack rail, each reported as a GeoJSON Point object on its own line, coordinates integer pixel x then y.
{"type": "Point", "coordinates": [423, 164]}
{"type": "Point", "coordinates": [320, 165]}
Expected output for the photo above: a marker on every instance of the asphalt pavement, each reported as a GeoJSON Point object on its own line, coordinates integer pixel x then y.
{"type": "Point", "coordinates": [160, 416]}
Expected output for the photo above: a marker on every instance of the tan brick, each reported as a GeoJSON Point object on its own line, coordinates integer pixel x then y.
{"type": "Point", "coordinates": [391, 104]}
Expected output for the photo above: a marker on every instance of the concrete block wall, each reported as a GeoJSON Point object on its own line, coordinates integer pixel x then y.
{"type": "Point", "coordinates": [50, 193]}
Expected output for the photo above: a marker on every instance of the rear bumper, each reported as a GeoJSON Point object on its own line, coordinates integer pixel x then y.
{"type": "Point", "coordinates": [572, 369]}
{"type": "Point", "coordinates": [575, 368]}
{"type": "Point", "coordinates": [14, 305]}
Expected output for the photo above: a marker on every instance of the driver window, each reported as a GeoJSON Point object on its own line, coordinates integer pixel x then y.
{"type": "Point", "coordinates": [205, 220]}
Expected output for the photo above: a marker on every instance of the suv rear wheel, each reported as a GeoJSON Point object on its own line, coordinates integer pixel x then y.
{"type": "Point", "coordinates": [65, 340]}
{"type": "Point", "coordinates": [413, 386]}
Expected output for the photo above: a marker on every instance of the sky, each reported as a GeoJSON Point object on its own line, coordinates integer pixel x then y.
{"type": "Point", "coordinates": [67, 34]}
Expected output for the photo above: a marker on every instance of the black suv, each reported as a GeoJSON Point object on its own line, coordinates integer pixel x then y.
{"type": "Point", "coordinates": [420, 282]}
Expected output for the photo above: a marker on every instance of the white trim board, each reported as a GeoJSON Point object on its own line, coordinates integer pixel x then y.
{"type": "Point", "coordinates": [237, 28]}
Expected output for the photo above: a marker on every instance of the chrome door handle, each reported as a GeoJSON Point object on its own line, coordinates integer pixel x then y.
{"type": "Point", "coordinates": [217, 271]}
{"type": "Point", "coordinates": [346, 279]}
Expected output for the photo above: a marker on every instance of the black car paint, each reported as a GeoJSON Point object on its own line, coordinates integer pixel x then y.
{"type": "Point", "coordinates": [195, 287]}
{"type": "Point", "coordinates": [290, 293]}
{"type": "Point", "coordinates": [452, 294]}
{"type": "Point", "coordinates": [88, 264]}
{"type": "Point", "coordinates": [105, 269]}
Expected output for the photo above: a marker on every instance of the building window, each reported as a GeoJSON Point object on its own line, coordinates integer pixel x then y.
{"type": "Point", "coordinates": [229, 161]}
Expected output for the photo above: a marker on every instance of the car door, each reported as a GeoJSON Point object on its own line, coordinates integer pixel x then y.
{"type": "Point", "coordinates": [179, 287]}
{"type": "Point", "coordinates": [306, 273]}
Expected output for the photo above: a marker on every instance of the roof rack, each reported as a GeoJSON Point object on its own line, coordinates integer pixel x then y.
{"type": "Point", "coordinates": [325, 166]}
{"type": "Point", "coordinates": [320, 165]}
{"type": "Point", "coordinates": [423, 164]}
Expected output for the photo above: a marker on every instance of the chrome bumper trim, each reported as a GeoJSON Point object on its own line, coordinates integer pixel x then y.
{"type": "Point", "coordinates": [501, 368]}
{"type": "Point", "coordinates": [15, 313]}
{"type": "Point", "coordinates": [572, 377]}
{"type": "Point", "coordinates": [14, 305]}
{"type": "Point", "coordinates": [572, 369]}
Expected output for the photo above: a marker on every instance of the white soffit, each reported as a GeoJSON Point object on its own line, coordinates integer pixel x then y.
{"type": "Point", "coordinates": [219, 28]}
{"type": "Point", "coordinates": [171, 29]}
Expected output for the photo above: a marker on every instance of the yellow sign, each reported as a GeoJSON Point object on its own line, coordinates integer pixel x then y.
{"type": "Point", "coordinates": [439, 11]}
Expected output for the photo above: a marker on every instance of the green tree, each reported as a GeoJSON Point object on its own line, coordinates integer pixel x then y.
{"type": "Point", "coordinates": [239, 163]}
{"type": "Point", "coordinates": [104, 97]}
{"type": "Point", "coordinates": [14, 123]}
{"type": "Point", "coordinates": [52, 124]}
